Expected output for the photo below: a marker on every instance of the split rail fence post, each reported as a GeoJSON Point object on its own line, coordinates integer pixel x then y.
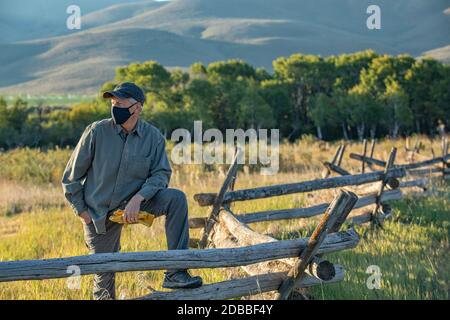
{"type": "Point", "coordinates": [218, 201]}
{"type": "Point", "coordinates": [335, 214]}
{"type": "Point", "coordinates": [389, 165]}
{"type": "Point", "coordinates": [363, 163]}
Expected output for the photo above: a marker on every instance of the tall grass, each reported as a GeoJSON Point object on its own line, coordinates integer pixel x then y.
{"type": "Point", "coordinates": [33, 165]}
{"type": "Point", "coordinates": [304, 156]}
{"type": "Point", "coordinates": [412, 252]}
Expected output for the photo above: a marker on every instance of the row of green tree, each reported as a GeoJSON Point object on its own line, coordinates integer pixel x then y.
{"type": "Point", "coordinates": [347, 96]}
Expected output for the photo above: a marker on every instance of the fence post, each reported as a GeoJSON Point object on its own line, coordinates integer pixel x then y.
{"type": "Point", "coordinates": [336, 168]}
{"type": "Point", "coordinates": [389, 165]}
{"type": "Point", "coordinates": [218, 201]}
{"type": "Point", "coordinates": [335, 163]}
{"type": "Point", "coordinates": [341, 154]}
{"type": "Point", "coordinates": [363, 163]}
{"type": "Point", "coordinates": [326, 172]}
{"type": "Point", "coordinates": [445, 164]}
{"type": "Point", "coordinates": [415, 149]}
{"type": "Point", "coordinates": [333, 218]}
{"type": "Point", "coordinates": [372, 150]}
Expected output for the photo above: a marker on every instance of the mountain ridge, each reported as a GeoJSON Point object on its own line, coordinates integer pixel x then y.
{"type": "Point", "coordinates": [181, 32]}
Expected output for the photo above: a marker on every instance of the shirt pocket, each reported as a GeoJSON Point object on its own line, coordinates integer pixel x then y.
{"type": "Point", "coordinates": [139, 166]}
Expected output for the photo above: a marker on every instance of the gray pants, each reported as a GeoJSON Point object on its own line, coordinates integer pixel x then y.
{"type": "Point", "coordinates": [169, 202]}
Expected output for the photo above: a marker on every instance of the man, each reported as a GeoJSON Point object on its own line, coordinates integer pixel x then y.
{"type": "Point", "coordinates": [121, 163]}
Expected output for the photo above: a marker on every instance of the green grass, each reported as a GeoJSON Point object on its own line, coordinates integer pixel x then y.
{"type": "Point", "coordinates": [57, 232]}
{"type": "Point", "coordinates": [51, 99]}
{"type": "Point", "coordinates": [412, 252]}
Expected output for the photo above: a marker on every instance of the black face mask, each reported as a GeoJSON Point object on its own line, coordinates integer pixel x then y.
{"type": "Point", "coordinates": [121, 115]}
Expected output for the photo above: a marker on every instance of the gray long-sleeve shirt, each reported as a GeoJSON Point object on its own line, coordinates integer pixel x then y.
{"type": "Point", "coordinates": [108, 167]}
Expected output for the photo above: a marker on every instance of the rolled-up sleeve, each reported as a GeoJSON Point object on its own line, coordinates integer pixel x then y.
{"type": "Point", "coordinates": [159, 173]}
{"type": "Point", "coordinates": [76, 170]}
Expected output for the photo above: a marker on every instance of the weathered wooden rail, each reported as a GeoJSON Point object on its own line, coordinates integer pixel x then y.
{"type": "Point", "coordinates": [207, 199]}
{"type": "Point", "coordinates": [388, 178]}
{"type": "Point", "coordinates": [239, 287]}
{"type": "Point", "coordinates": [168, 259]}
{"type": "Point", "coordinates": [443, 159]}
{"type": "Point", "coordinates": [295, 213]}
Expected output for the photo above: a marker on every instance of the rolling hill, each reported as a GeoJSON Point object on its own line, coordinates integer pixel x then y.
{"type": "Point", "coordinates": [181, 32]}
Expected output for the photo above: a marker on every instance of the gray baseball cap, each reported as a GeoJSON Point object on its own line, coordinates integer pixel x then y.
{"type": "Point", "coordinates": [126, 90]}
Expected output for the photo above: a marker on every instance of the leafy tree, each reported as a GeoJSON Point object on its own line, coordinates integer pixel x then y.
{"type": "Point", "coordinates": [323, 113]}
{"type": "Point", "coordinates": [224, 106]}
{"type": "Point", "coordinates": [60, 130]}
{"type": "Point", "coordinates": [4, 124]}
{"type": "Point", "coordinates": [306, 76]}
{"type": "Point", "coordinates": [254, 111]}
{"type": "Point", "coordinates": [373, 78]}
{"type": "Point", "coordinates": [199, 96]}
{"type": "Point", "coordinates": [150, 76]}
{"type": "Point", "coordinates": [277, 94]}
{"type": "Point", "coordinates": [421, 78]}
{"type": "Point", "coordinates": [440, 96]}
{"type": "Point", "coordinates": [231, 69]}
{"type": "Point", "coordinates": [82, 114]}
{"type": "Point", "coordinates": [397, 103]}
{"type": "Point", "coordinates": [197, 70]}
{"type": "Point", "coordinates": [349, 67]}
{"type": "Point", "coordinates": [365, 111]}
{"type": "Point", "coordinates": [12, 119]}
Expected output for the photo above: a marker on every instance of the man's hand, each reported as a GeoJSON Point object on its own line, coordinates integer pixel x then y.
{"type": "Point", "coordinates": [84, 216]}
{"type": "Point", "coordinates": [132, 209]}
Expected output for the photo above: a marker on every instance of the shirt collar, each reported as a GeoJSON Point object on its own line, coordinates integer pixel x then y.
{"type": "Point", "coordinates": [137, 128]}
